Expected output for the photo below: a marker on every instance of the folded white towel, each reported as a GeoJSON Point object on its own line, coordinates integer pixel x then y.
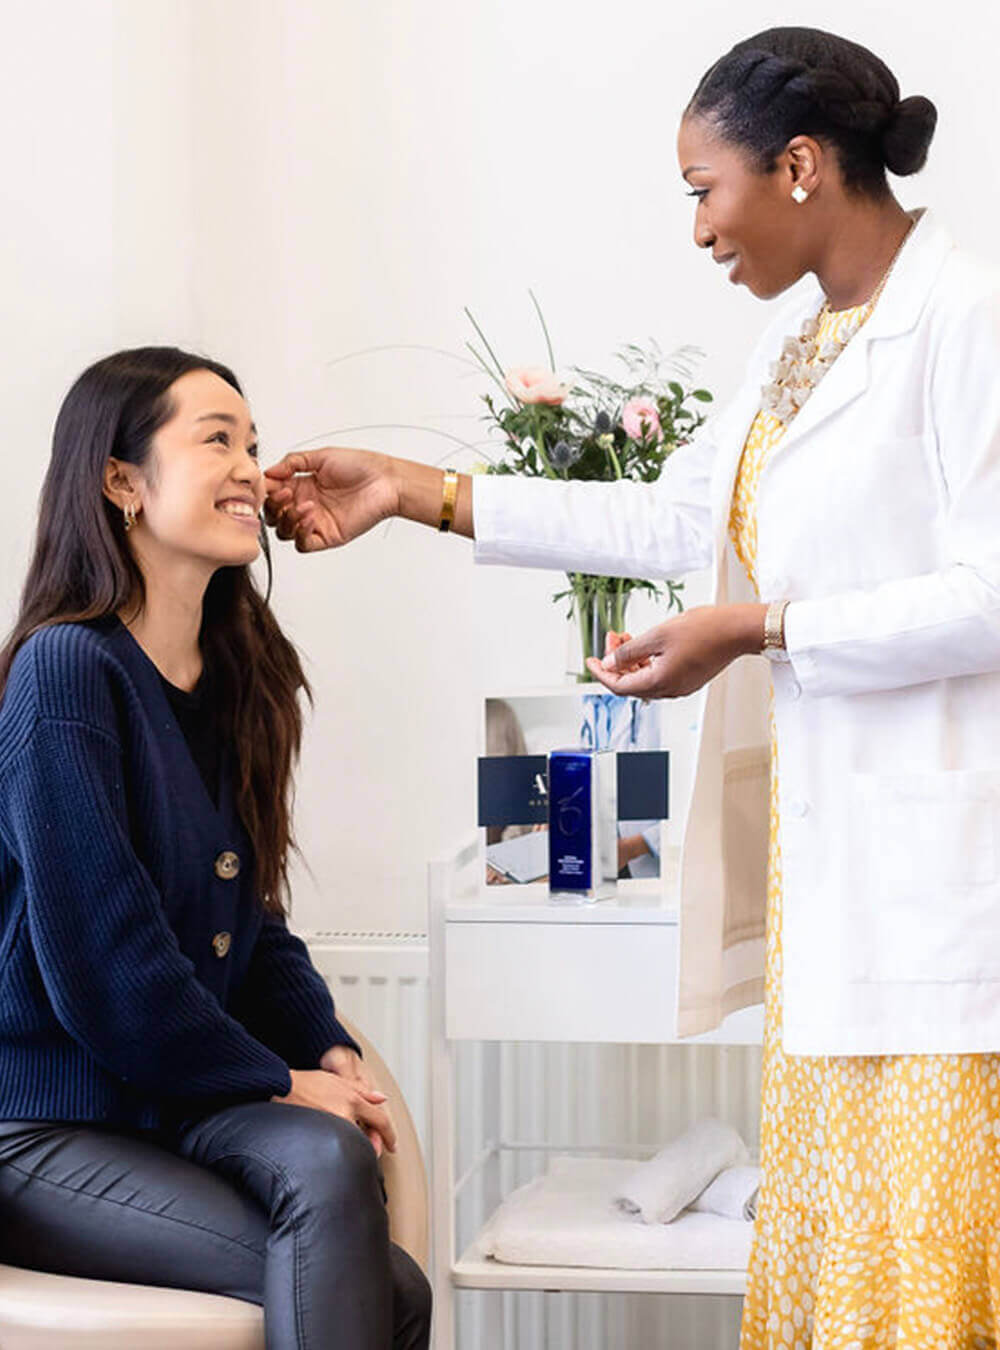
{"type": "Point", "coordinates": [566, 1219]}
{"type": "Point", "coordinates": [732, 1195]}
{"type": "Point", "coordinates": [659, 1189]}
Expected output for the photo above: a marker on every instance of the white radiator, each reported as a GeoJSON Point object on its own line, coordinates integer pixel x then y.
{"type": "Point", "coordinates": [379, 982]}
{"type": "Point", "coordinates": [619, 1096]}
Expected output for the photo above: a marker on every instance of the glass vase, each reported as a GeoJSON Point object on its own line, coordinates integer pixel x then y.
{"type": "Point", "coordinates": [598, 607]}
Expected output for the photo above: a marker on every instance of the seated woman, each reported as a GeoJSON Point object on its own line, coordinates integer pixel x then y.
{"type": "Point", "coordinates": [178, 1103]}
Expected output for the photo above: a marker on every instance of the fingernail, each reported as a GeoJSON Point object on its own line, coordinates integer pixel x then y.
{"type": "Point", "coordinates": [608, 663]}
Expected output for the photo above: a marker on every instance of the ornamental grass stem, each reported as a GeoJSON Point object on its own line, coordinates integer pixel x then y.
{"type": "Point", "coordinates": [545, 331]}
{"type": "Point", "coordinates": [483, 340]}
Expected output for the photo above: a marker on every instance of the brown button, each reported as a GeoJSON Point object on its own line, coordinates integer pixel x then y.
{"type": "Point", "coordinates": [227, 865]}
{"type": "Point", "coordinates": [220, 943]}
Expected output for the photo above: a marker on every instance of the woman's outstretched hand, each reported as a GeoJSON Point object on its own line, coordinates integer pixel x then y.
{"type": "Point", "coordinates": [325, 498]}
{"type": "Point", "coordinates": [680, 656]}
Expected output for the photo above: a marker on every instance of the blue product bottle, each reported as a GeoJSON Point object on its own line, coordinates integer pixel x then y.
{"type": "Point", "coordinates": [583, 820]}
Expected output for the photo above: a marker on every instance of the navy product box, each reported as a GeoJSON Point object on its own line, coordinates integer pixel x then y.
{"type": "Point", "coordinates": [583, 820]}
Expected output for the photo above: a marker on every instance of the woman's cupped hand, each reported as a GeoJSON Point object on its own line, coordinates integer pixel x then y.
{"type": "Point", "coordinates": [681, 655]}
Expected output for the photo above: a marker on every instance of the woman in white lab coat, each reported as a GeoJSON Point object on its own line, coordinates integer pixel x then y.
{"type": "Point", "coordinates": [848, 501]}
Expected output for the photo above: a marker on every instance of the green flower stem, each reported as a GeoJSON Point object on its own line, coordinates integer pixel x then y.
{"type": "Point", "coordinates": [615, 462]}
{"type": "Point", "coordinates": [582, 618]}
{"type": "Point", "coordinates": [540, 443]}
{"type": "Point", "coordinates": [580, 597]}
{"type": "Point", "coordinates": [621, 596]}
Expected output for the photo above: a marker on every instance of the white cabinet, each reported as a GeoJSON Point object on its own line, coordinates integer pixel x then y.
{"type": "Point", "coordinates": [508, 964]}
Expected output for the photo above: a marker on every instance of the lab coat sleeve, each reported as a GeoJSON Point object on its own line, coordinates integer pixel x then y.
{"type": "Point", "coordinates": [947, 622]}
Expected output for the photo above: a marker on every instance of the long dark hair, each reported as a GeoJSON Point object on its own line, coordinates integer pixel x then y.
{"type": "Point", "coordinates": [789, 82]}
{"type": "Point", "coordinates": [82, 569]}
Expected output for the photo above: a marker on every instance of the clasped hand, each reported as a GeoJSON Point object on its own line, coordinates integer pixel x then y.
{"type": "Point", "coordinates": [342, 1086]}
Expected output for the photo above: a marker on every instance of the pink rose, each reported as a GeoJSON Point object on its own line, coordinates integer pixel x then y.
{"type": "Point", "coordinates": [533, 384]}
{"type": "Point", "coordinates": [641, 420]}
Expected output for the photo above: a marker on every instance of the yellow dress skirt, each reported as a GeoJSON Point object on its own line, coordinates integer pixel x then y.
{"type": "Point", "coordinates": [878, 1218]}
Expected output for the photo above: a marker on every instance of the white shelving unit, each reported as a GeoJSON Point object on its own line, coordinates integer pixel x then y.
{"type": "Point", "coordinates": [511, 965]}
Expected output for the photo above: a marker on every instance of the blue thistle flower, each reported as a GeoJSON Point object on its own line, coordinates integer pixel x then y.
{"type": "Point", "coordinates": [563, 454]}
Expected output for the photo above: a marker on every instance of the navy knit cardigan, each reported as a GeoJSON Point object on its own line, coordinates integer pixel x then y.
{"type": "Point", "coordinates": [141, 981]}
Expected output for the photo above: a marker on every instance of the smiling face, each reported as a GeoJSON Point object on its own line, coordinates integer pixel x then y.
{"type": "Point", "coordinates": [748, 218]}
{"type": "Point", "coordinates": [200, 491]}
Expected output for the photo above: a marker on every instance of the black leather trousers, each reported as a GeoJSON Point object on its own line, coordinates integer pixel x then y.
{"type": "Point", "coordinates": [280, 1205]}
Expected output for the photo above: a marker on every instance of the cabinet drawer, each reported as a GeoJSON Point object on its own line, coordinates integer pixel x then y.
{"type": "Point", "coordinates": [560, 982]}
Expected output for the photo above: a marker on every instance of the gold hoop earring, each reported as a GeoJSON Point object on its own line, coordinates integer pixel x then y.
{"type": "Point", "coordinates": [799, 194]}
{"type": "Point", "coordinates": [130, 512]}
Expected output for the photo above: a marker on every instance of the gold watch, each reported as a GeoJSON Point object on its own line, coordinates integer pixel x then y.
{"type": "Point", "coordinates": [774, 631]}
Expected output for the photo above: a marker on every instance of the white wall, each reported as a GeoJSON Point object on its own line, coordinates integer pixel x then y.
{"type": "Point", "coordinates": [55, 237]}
{"type": "Point", "coordinates": [283, 185]}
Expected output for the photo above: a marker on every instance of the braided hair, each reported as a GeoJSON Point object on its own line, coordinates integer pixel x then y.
{"type": "Point", "coordinates": [788, 82]}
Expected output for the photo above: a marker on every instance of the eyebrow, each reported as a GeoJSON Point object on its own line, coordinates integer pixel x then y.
{"type": "Point", "coordinates": [694, 168]}
{"type": "Point", "coordinates": [223, 417]}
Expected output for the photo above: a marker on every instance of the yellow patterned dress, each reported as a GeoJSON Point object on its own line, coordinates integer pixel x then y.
{"type": "Point", "coordinates": [879, 1221]}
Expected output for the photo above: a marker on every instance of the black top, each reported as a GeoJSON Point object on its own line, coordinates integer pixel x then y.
{"type": "Point", "coordinates": [197, 716]}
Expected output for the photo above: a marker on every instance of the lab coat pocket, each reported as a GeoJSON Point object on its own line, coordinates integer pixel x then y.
{"type": "Point", "coordinates": [926, 903]}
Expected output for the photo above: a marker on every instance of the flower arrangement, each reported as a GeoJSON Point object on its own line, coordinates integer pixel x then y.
{"type": "Point", "coordinates": [590, 426]}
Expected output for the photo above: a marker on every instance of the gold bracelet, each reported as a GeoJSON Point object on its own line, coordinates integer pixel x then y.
{"type": "Point", "coordinates": [774, 626]}
{"type": "Point", "coordinates": [449, 500]}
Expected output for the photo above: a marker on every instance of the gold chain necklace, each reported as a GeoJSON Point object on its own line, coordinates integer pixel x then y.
{"type": "Point", "coordinates": [805, 361]}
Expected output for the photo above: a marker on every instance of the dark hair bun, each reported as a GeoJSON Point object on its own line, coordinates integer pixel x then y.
{"type": "Point", "coordinates": [788, 82]}
{"type": "Point", "coordinates": [908, 134]}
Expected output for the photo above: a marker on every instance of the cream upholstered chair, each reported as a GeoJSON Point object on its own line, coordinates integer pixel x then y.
{"type": "Point", "coordinates": [58, 1312]}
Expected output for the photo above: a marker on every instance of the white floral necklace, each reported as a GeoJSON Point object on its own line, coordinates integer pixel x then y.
{"type": "Point", "coordinates": [805, 361]}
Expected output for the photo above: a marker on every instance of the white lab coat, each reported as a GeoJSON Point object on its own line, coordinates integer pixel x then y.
{"type": "Point", "coordinates": [879, 518]}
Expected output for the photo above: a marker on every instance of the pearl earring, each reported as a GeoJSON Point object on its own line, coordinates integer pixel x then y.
{"type": "Point", "coordinates": [130, 512]}
{"type": "Point", "coordinates": [799, 194]}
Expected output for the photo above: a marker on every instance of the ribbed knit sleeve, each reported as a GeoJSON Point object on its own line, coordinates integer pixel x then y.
{"type": "Point", "coordinates": [284, 999]}
{"type": "Point", "coordinates": [109, 960]}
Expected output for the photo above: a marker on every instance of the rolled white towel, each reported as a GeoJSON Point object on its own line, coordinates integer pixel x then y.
{"type": "Point", "coordinates": [659, 1189]}
{"type": "Point", "coordinates": [732, 1195]}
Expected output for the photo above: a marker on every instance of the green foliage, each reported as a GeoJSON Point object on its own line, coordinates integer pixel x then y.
{"type": "Point", "coordinates": [590, 421]}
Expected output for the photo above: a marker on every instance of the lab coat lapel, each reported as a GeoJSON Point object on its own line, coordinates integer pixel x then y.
{"type": "Point", "coordinates": [897, 310]}
{"type": "Point", "coordinates": [847, 379]}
